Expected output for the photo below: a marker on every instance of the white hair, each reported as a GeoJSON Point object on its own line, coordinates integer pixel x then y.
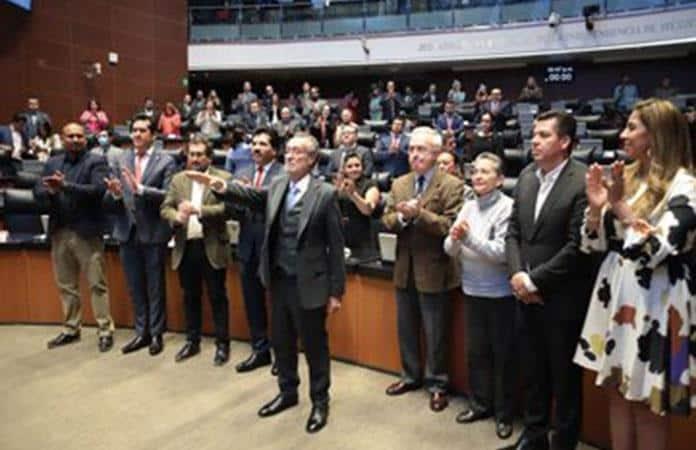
{"type": "Point", "coordinates": [433, 138]}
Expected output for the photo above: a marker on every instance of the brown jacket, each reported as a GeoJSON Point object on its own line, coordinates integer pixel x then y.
{"type": "Point", "coordinates": [420, 242]}
{"type": "Point", "coordinates": [214, 215]}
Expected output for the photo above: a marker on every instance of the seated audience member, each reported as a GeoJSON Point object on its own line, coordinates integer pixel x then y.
{"type": "Point", "coordinates": [391, 102]}
{"type": "Point", "coordinates": [246, 97]}
{"type": "Point", "coordinates": [349, 144]}
{"type": "Point", "coordinates": [239, 155]}
{"type": "Point", "coordinates": [485, 139]}
{"type": "Point", "coordinates": [477, 240]}
{"type": "Point", "coordinates": [665, 90]}
{"type": "Point", "coordinates": [34, 117]}
{"type": "Point", "coordinates": [106, 148]}
{"type": "Point", "coordinates": [170, 121]}
{"type": "Point", "coordinates": [345, 120]}
{"type": "Point", "coordinates": [456, 94]}
{"type": "Point", "coordinates": [94, 119]}
{"type": "Point", "coordinates": [255, 118]}
{"type": "Point", "coordinates": [625, 94]}
{"type": "Point", "coordinates": [481, 95]}
{"type": "Point", "coordinates": [45, 142]}
{"type": "Point", "coordinates": [409, 102]}
{"type": "Point", "coordinates": [391, 154]}
{"type": "Point", "coordinates": [531, 92]}
{"type": "Point", "coordinates": [498, 108]}
{"type": "Point", "coordinates": [357, 197]}
{"type": "Point", "coordinates": [14, 139]}
{"type": "Point", "coordinates": [149, 110]}
{"type": "Point", "coordinates": [287, 126]}
{"type": "Point", "coordinates": [449, 120]}
{"type": "Point", "coordinates": [72, 184]}
{"type": "Point", "coordinates": [447, 162]}
{"type": "Point", "coordinates": [375, 104]}
{"type": "Point", "coordinates": [198, 220]}
{"type": "Point", "coordinates": [430, 95]}
{"type": "Point", "coordinates": [638, 337]}
{"type": "Point", "coordinates": [423, 208]}
{"type": "Point", "coordinates": [209, 121]}
{"type": "Point", "coordinates": [323, 127]}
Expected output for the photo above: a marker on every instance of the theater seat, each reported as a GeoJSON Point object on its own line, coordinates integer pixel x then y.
{"type": "Point", "coordinates": [22, 213]}
{"type": "Point", "coordinates": [509, 185]}
{"type": "Point", "coordinates": [367, 139]}
{"type": "Point", "coordinates": [26, 180]}
{"type": "Point", "coordinates": [582, 154]}
{"type": "Point", "coordinates": [383, 180]}
{"type": "Point", "coordinates": [511, 138]}
{"type": "Point", "coordinates": [219, 157]}
{"type": "Point", "coordinates": [515, 160]}
{"type": "Point", "coordinates": [610, 137]}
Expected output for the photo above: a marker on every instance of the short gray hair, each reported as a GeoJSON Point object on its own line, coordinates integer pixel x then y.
{"type": "Point", "coordinates": [309, 143]}
{"type": "Point", "coordinates": [492, 157]}
{"type": "Point", "coordinates": [433, 137]}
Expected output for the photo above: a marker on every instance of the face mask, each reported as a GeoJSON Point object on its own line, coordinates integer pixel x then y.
{"type": "Point", "coordinates": [103, 141]}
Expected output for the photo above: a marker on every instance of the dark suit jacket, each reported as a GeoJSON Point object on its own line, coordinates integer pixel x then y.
{"type": "Point", "coordinates": [320, 260]}
{"type": "Point", "coordinates": [143, 211]}
{"type": "Point", "coordinates": [79, 204]}
{"type": "Point", "coordinates": [252, 221]}
{"type": "Point", "coordinates": [420, 244]}
{"type": "Point", "coordinates": [394, 163]}
{"type": "Point", "coordinates": [548, 249]}
{"type": "Point", "coordinates": [31, 129]}
{"type": "Point", "coordinates": [6, 137]}
{"type": "Point", "coordinates": [213, 218]}
{"type": "Point", "coordinates": [253, 122]}
{"type": "Point", "coordinates": [457, 123]}
{"type": "Point", "coordinates": [365, 154]}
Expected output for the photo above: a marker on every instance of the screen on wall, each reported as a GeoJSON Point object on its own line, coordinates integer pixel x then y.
{"type": "Point", "coordinates": [559, 74]}
{"type": "Point", "coordinates": [24, 4]}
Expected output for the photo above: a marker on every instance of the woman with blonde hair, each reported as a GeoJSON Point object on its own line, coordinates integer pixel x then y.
{"type": "Point", "coordinates": [638, 334]}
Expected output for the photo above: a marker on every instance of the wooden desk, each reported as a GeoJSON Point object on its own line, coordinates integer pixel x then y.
{"type": "Point", "coordinates": [363, 332]}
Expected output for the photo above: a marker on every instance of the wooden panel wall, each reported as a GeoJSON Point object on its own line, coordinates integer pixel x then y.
{"type": "Point", "coordinates": [45, 53]}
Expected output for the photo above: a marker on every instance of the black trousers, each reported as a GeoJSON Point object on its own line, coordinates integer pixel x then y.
{"type": "Point", "coordinates": [492, 368]}
{"type": "Point", "coordinates": [195, 268]}
{"type": "Point", "coordinates": [290, 321]}
{"type": "Point", "coordinates": [549, 373]}
{"type": "Point", "coordinates": [255, 304]}
{"type": "Point", "coordinates": [143, 265]}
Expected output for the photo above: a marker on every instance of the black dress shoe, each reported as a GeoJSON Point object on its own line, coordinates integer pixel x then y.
{"type": "Point", "coordinates": [105, 343]}
{"type": "Point", "coordinates": [189, 349]}
{"type": "Point", "coordinates": [63, 339]}
{"type": "Point", "coordinates": [280, 403]}
{"type": "Point", "coordinates": [156, 345]}
{"type": "Point", "coordinates": [274, 369]}
{"type": "Point", "coordinates": [503, 429]}
{"type": "Point", "coordinates": [254, 361]}
{"type": "Point", "coordinates": [222, 353]}
{"type": "Point", "coordinates": [526, 441]}
{"type": "Point", "coordinates": [472, 415]}
{"type": "Point", "coordinates": [401, 387]}
{"type": "Point", "coordinates": [317, 418]}
{"type": "Point", "coordinates": [136, 343]}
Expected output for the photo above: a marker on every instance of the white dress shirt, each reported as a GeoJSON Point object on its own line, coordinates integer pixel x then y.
{"type": "Point", "coordinates": [194, 230]}
{"type": "Point", "coordinates": [546, 184]}
{"type": "Point", "coordinates": [143, 166]}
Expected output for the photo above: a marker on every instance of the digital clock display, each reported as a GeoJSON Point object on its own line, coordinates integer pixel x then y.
{"type": "Point", "coordinates": [559, 74]}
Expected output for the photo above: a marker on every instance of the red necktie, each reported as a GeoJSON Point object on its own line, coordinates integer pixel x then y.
{"type": "Point", "coordinates": [138, 168]}
{"type": "Point", "coordinates": [259, 177]}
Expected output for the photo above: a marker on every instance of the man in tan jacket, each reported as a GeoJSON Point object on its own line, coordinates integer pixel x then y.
{"type": "Point", "coordinates": [201, 248]}
{"type": "Point", "coordinates": [424, 205]}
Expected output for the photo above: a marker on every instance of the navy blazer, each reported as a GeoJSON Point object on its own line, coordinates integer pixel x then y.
{"type": "Point", "coordinates": [252, 221]}
{"type": "Point", "coordinates": [79, 205]}
{"type": "Point", "coordinates": [394, 163]}
{"type": "Point", "coordinates": [6, 137]}
{"type": "Point", "coordinates": [457, 123]}
{"type": "Point", "coordinates": [142, 211]}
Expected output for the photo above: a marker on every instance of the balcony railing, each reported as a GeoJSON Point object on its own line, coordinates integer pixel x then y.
{"type": "Point", "coordinates": [326, 18]}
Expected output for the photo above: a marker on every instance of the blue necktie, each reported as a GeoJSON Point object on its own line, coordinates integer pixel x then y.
{"type": "Point", "coordinates": [293, 194]}
{"type": "Point", "coordinates": [420, 185]}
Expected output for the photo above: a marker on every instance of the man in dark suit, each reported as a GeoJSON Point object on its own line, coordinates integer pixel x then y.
{"type": "Point", "coordinates": [349, 144]}
{"type": "Point", "coordinates": [35, 118]}
{"type": "Point", "coordinates": [135, 196]}
{"type": "Point", "coordinates": [551, 280]}
{"type": "Point", "coordinates": [14, 142]}
{"type": "Point", "coordinates": [255, 118]}
{"type": "Point", "coordinates": [498, 108]}
{"type": "Point", "coordinates": [391, 102]}
{"type": "Point", "coordinates": [391, 154]}
{"type": "Point", "coordinates": [302, 265]}
{"type": "Point", "coordinates": [264, 147]}
{"type": "Point", "coordinates": [449, 120]}
{"type": "Point", "coordinates": [73, 186]}
{"type": "Point", "coordinates": [200, 248]}
{"type": "Point", "coordinates": [424, 204]}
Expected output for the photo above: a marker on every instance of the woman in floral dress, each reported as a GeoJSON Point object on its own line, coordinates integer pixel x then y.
{"type": "Point", "coordinates": [640, 332]}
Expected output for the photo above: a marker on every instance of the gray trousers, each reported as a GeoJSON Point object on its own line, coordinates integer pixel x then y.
{"type": "Point", "coordinates": [431, 311]}
{"type": "Point", "coordinates": [72, 254]}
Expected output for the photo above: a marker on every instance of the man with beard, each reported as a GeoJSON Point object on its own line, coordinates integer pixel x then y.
{"type": "Point", "coordinates": [200, 251]}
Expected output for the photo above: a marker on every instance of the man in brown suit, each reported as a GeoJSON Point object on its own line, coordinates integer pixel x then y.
{"type": "Point", "coordinates": [201, 246]}
{"type": "Point", "coordinates": [424, 205]}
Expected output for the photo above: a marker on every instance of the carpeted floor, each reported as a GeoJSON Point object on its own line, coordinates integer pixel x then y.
{"type": "Point", "coordinates": [76, 398]}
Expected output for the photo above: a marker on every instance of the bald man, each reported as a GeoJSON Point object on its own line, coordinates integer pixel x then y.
{"type": "Point", "coordinates": [73, 186]}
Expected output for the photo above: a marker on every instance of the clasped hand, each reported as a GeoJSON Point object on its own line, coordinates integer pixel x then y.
{"type": "Point", "coordinates": [409, 209]}
{"type": "Point", "coordinates": [55, 182]}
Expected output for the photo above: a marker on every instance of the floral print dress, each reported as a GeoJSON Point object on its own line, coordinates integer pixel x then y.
{"type": "Point", "coordinates": [640, 330]}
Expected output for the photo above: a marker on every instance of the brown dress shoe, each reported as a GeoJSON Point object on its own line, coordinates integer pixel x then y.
{"type": "Point", "coordinates": [438, 401]}
{"type": "Point", "coordinates": [401, 387]}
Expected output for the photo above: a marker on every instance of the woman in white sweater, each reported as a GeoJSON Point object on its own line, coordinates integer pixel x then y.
{"type": "Point", "coordinates": [477, 239]}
